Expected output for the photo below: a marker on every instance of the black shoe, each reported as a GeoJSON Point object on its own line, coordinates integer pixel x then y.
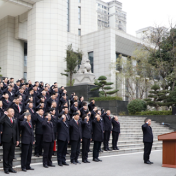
{"type": "Point", "coordinates": [105, 149]}
{"type": "Point", "coordinates": [109, 149]}
{"type": "Point", "coordinates": [14, 158]}
{"type": "Point", "coordinates": [41, 154]}
{"type": "Point", "coordinates": [60, 164]}
{"type": "Point", "coordinates": [114, 149]}
{"type": "Point", "coordinates": [99, 160]}
{"type": "Point", "coordinates": [100, 150]}
{"type": "Point", "coordinates": [150, 162]}
{"type": "Point", "coordinates": [6, 171]}
{"type": "Point", "coordinates": [87, 161]}
{"type": "Point", "coordinates": [95, 159]}
{"type": "Point", "coordinates": [90, 151]}
{"type": "Point", "coordinates": [73, 162]}
{"type": "Point", "coordinates": [147, 162]}
{"type": "Point", "coordinates": [117, 148]}
{"type": "Point", "coordinates": [46, 166]}
{"type": "Point", "coordinates": [84, 161]}
{"type": "Point", "coordinates": [78, 162]}
{"type": "Point", "coordinates": [51, 165]}
{"type": "Point", "coordinates": [24, 170]}
{"type": "Point", "coordinates": [37, 155]}
{"type": "Point", "coordinates": [12, 170]}
{"type": "Point", "coordinates": [30, 168]}
{"type": "Point", "coordinates": [65, 164]}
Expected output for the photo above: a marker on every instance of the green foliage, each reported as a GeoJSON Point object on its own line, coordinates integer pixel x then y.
{"type": "Point", "coordinates": [73, 59]}
{"type": "Point", "coordinates": [72, 83]}
{"type": "Point", "coordinates": [154, 113]}
{"type": "Point", "coordinates": [122, 113]}
{"type": "Point", "coordinates": [102, 85]}
{"type": "Point", "coordinates": [106, 98]}
{"type": "Point", "coordinates": [136, 105]}
{"type": "Point", "coordinates": [157, 97]}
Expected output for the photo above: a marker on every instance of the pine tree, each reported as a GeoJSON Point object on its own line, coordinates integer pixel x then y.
{"type": "Point", "coordinates": [103, 86]}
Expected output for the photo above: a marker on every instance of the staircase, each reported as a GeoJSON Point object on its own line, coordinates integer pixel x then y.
{"type": "Point", "coordinates": [130, 140]}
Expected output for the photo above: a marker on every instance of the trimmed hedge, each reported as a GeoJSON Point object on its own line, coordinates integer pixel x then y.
{"type": "Point", "coordinates": [136, 105]}
{"type": "Point", "coordinates": [154, 113]}
{"type": "Point", "coordinates": [106, 98]}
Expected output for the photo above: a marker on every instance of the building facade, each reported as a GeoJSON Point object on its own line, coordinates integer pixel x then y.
{"type": "Point", "coordinates": [34, 35]}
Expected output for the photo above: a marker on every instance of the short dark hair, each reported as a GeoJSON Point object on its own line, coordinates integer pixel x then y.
{"type": "Point", "coordinates": [84, 116]}
{"type": "Point", "coordinates": [146, 119]}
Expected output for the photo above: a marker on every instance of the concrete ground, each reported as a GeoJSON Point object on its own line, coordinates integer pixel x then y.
{"type": "Point", "coordinates": [120, 165]}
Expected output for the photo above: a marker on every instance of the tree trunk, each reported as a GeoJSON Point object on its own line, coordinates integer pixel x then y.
{"type": "Point", "coordinates": [71, 75]}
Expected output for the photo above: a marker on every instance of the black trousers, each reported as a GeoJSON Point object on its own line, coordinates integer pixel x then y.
{"type": "Point", "coordinates": [8, 154]}
{"type": "Point", "coordinates": [147, 150]}
{"type": "Point", "coordinates": [96, 149]}
{"type": "Point", "coordinates": [26, 155]}
{"type": "Point", "coordinates": [115, 136]}
{"type": "Point", "coordinates": [47, 154]}
{"type": "Point", "coordinates": [39, 144]}
{"type": "Point", "coordinates": [106, 139]}
{"type": "Point", "coordinates": [61, 151]}
{"type": "Point", "coordinates": [85, 148]}
{"type": "Point", "coordinates": [75, 150]}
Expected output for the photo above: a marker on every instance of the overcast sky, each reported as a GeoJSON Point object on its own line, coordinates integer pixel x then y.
{"type": "Point", "coordinates": [144, 13]}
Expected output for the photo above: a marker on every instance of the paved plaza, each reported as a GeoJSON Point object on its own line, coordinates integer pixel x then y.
{"type": "Point", "coordinates": [119, 165]}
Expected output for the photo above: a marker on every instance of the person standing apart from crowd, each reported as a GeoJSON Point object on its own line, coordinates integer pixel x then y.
{"type": "Point", "coordinates": [148, 140]}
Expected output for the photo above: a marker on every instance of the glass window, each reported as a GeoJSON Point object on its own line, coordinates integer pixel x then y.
{"type": "Point", "coordinates": [79, 15]}
{"type": "Point", "coordinates": [91, 58]}
{"type": "Point", "coordinates": [79, 32]}
{"type": "Point", "coordinates": [68, 15]}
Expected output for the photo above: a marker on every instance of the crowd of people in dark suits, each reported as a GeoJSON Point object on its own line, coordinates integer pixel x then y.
{"type": "Point", "coordinates": [45, 116]}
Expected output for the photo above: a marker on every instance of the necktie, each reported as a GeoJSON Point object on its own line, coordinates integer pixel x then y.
{"type": "Point", "coordinates": [77, 122]}
{"type": "Point", "coordinates": [11, 120]}
{"type": "Point", "coordinates": [32, 110]}
{"type": "Point", "coordinates": [29, 124]}
{"type": "Point", "coordinates": [109, 118]}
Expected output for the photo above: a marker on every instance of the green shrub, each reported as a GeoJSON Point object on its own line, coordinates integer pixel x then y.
{"type": "Point", "coordinates": [136, 106]}
{"type": "Point", "coordinates": [154, 113]}
{"type": "Point", "coordinates": [106, 98]}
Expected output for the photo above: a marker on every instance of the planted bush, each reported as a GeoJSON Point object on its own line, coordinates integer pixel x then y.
{"type": "Point", "coordinates": [136, 106]}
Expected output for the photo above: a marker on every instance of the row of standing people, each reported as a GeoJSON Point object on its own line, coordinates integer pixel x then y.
{"type": "Point", "coordinates": [51, 115]}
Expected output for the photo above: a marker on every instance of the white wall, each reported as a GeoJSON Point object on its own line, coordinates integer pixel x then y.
{"type": "Point", "coordinates": [11, 50]}
{"type": "Point", "coordinates": [47, 41]}
{"type": "Point", "coordinates": [88, 16]}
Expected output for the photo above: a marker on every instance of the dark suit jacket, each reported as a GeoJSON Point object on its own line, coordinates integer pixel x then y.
{"type": "Point", "coordinates": [63, 131]}
{"type": "Point", "coordinates": [116, 126]}
{"type": "Point", "coordinates": [107, 122]}
{"type": "Point", "coordinates": [147, 133]}
{"type": "Point", "coordinates": [48, 131]}
{"type": "Point", "coordinates": [54, 121]}
{"type": "Point", "coordinates": [91, 106]}
{"type": "Point", "coordinates": [98, 129]}
{"type": "Point", "coordinates": [83, 111]}
{"type": "Point", "coordinates": [5, 103]}
{"type": "Point", "coordinates": [27, 134]}
{"type": "Point", "coordinates": [80, 104]}
{"type": "Point", "coordinates": [86, 129]}
{"type": "Point", "coordinates": [73, 109]}
{"type": "Point", "coordinates": [38, 124]}
{"type": "Point", "coordinates": [75, 130]}
{"type": "Point", "coordinates": [10, 130]}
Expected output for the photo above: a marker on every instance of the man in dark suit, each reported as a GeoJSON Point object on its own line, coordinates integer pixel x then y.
{"type": "Point", "coordinates": [91, 105]}
{"type": "Point", "coordinates": [108, 127]}
{"type": "Point", "coordinates": [115, 132]}
{"type": "Point", "coordinates": [75, 137]}
{"type": "Point", "coordinates": [97, 137]}
{"type": "Point", "coordinates": [84, 110]}
{"type": "Point", "coordinates": [48, 140]}
{"type": "Point", "coordinates": [62, 140]}
{"type": "Point", "coordinates": [38, 118]}
{"type": "Point", "coordinates": [148, 140]}
{"type": "Point", "coordinates": [10, 138]}
{"type": "Point", "coordinates": [5, 83]}
{"type": "Point", "coordinates": [86, 137]}
{"type": "Point", "coordinates": [27, 140]}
